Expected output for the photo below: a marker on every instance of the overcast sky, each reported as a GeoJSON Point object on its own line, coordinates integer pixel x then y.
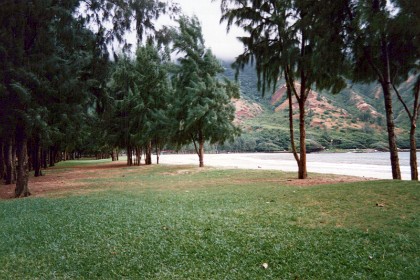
{"type": "Point", "coordinates": [224, 46]}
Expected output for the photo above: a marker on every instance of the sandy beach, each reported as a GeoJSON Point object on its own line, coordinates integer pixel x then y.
{"type": "Point", "coordinates": [368, 165]}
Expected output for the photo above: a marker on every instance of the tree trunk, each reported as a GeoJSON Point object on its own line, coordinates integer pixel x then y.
{"type": "Point", "coordinates": [201, 149]}
{"type": "Point", "coordinates": [114, 155]}
{"type": "Point", "coordinates": [52, 157]}
{"type": "Point", "coordinates": [302, 172]}
{"type": "Point", "coordinates": [148, 158]}
{"type": "Point", "coordinates": [22, 168]}
{"type": "Point", "coordinates": [291, 127]}
{"type": "Point", "coordinates": [138, 155]}
{"type": "Point", "coordinates": [386, 87]}
{"type": "Point", "coordinates": [30, 145]}
{"type": "Point", "coordinates": [392, 140]}
{"type": "Point", "coordinates": [9, 162]}
{"type": "Point", "coordinates": [129, 156]}
{"type": "Point", "coordinates": [413, 154]}
{"type": "Point", "coordinates": [2, 165]}
{"type": "Point", "coordinates": [14, 163]}
{"type": "Point", "coordinates": [44, 161]}
{"type": "Point", "coordinates": [36, 158]}
{"type": "Point", "coordinates": [157, 150]}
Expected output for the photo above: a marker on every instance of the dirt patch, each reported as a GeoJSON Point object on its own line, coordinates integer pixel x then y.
{"type": "Point", "coordinates": [309, 182]}
{"type": "Point", "coordinates": [325, 181]}
{"type": "Point", "coordinates": [67, 179]}
{"type": "Point", "coordinates": [246, 110]}
{"type": "Point", "coordinates": [62, 180]}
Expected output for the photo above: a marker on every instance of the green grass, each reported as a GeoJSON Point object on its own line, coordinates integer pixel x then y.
{"type": "Point", "coordinates": [171, 222]}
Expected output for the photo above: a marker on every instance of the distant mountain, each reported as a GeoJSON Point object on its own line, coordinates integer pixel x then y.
{"type": "Point", "coordinates": [352, 119]}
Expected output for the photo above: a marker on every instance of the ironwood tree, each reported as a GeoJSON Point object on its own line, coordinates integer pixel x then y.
{"type": "Point", "coordinates": [302, 41]}
{"type": "Point", "coordinates": [202, 107]}
{"type": "Point", "coordinates": [140, 89]}
{"type": "Point", "coordinates": [385, 48]}
{"type": "Point", "coordinates": [41, 48]}
{"type": "Point", "coordinates": [49, 53]}
{"type": "Point", "coordinates": [152, 66]}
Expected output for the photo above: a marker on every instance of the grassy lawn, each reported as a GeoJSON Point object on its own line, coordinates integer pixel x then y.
{"type": "Point", "coordinates": [179, 222]}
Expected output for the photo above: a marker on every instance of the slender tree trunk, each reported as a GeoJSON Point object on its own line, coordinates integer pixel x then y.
{"type": "Point", "coordinates": [114, 155]}
{"type": "Point", "coordinates": [129, 156]}
{"type": "Point", "coordinates": [413, 154]}
{"type": "Point", "coordinates": [386, 87]}
{"type": "Point", "coordinates": [413, 120]}
{"type": "Point", "coordinates": [201, 148]}
{"type": "Point", "coordinates": [2, 162]}
{"type": "Point", "coordinates": [138, 155]}
{"type": "Point", "coordinates": [291, 127]}
{"type": "Point", "coordinates": [57, 156]}
{"type": "Point", "coordinates": [22, 188]}
{"type": "Point", "coordinates": [44, 160]}
{"type": "Point", "coordinates": [36, 158]}
{"type": "Point", "coordinates": [9, 162]}
{"type": "Point", "coordinates": [148, 158]}
{"type": "Point", "coordinates": [302, 173]}
{"type": "Point", "coordinates": [30, 146]}
{"type": "Point", "coordinates": [392, 139]}
{"type": "Point", "coordinates": [157, 151]}
{"type": "Point", "coordinates": [14, 163]}
{"type": "Point", "coordinates": [52, 156]}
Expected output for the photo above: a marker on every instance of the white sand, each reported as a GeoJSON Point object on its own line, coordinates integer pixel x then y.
{"type": "Point", "coordinates": [285, 162]}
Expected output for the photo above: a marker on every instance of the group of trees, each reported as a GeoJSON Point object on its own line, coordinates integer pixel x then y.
{"type": "Point", "coordinates": [154, 102]}
{"type": "Point", "coordinates": [47, 58]}
{"type": "Point", "coordinates": [317, 44]}
{"type": "Point", "coordinates": [138, 101]}
{"type": "Point", "coordinates": [61, 93]}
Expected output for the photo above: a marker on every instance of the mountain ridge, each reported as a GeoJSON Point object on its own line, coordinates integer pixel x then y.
{"type": "Point", "coordinates": [351, 119]}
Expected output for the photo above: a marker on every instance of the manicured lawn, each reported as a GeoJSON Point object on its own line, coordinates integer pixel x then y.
{"type": "Point", "coordinates": [171, 222]}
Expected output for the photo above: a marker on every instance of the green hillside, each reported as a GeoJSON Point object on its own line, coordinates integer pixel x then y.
{"type": "Point", "coordinates": [352, 119]}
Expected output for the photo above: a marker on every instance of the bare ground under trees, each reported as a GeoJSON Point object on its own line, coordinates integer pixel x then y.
{"type": "Point", "coordinates": [76, 180]}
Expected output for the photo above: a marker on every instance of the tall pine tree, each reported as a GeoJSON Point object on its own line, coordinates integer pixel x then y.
{"type": "Point", "coordinates": [203, 110]}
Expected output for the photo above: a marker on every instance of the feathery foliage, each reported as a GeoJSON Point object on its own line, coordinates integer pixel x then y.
{"type": "Point", "coordinates": [301, 40]}
{"type": "Point", "coordinates": [202, 107]}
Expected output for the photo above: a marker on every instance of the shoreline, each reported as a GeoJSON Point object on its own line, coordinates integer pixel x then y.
{"type": "Point", "coordinates": [366, 165]}
{"type": "Point", "coordinates": [355, 151]}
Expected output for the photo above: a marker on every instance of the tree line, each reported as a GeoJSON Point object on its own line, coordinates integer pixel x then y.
{"type": "Point", "coordinates": [65, 88]}
{"type": "Point", "coordinates": [319, 44]}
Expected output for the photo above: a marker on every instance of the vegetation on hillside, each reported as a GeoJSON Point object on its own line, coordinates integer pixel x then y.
{"type": "Point", "coordinates": [353, 118]}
